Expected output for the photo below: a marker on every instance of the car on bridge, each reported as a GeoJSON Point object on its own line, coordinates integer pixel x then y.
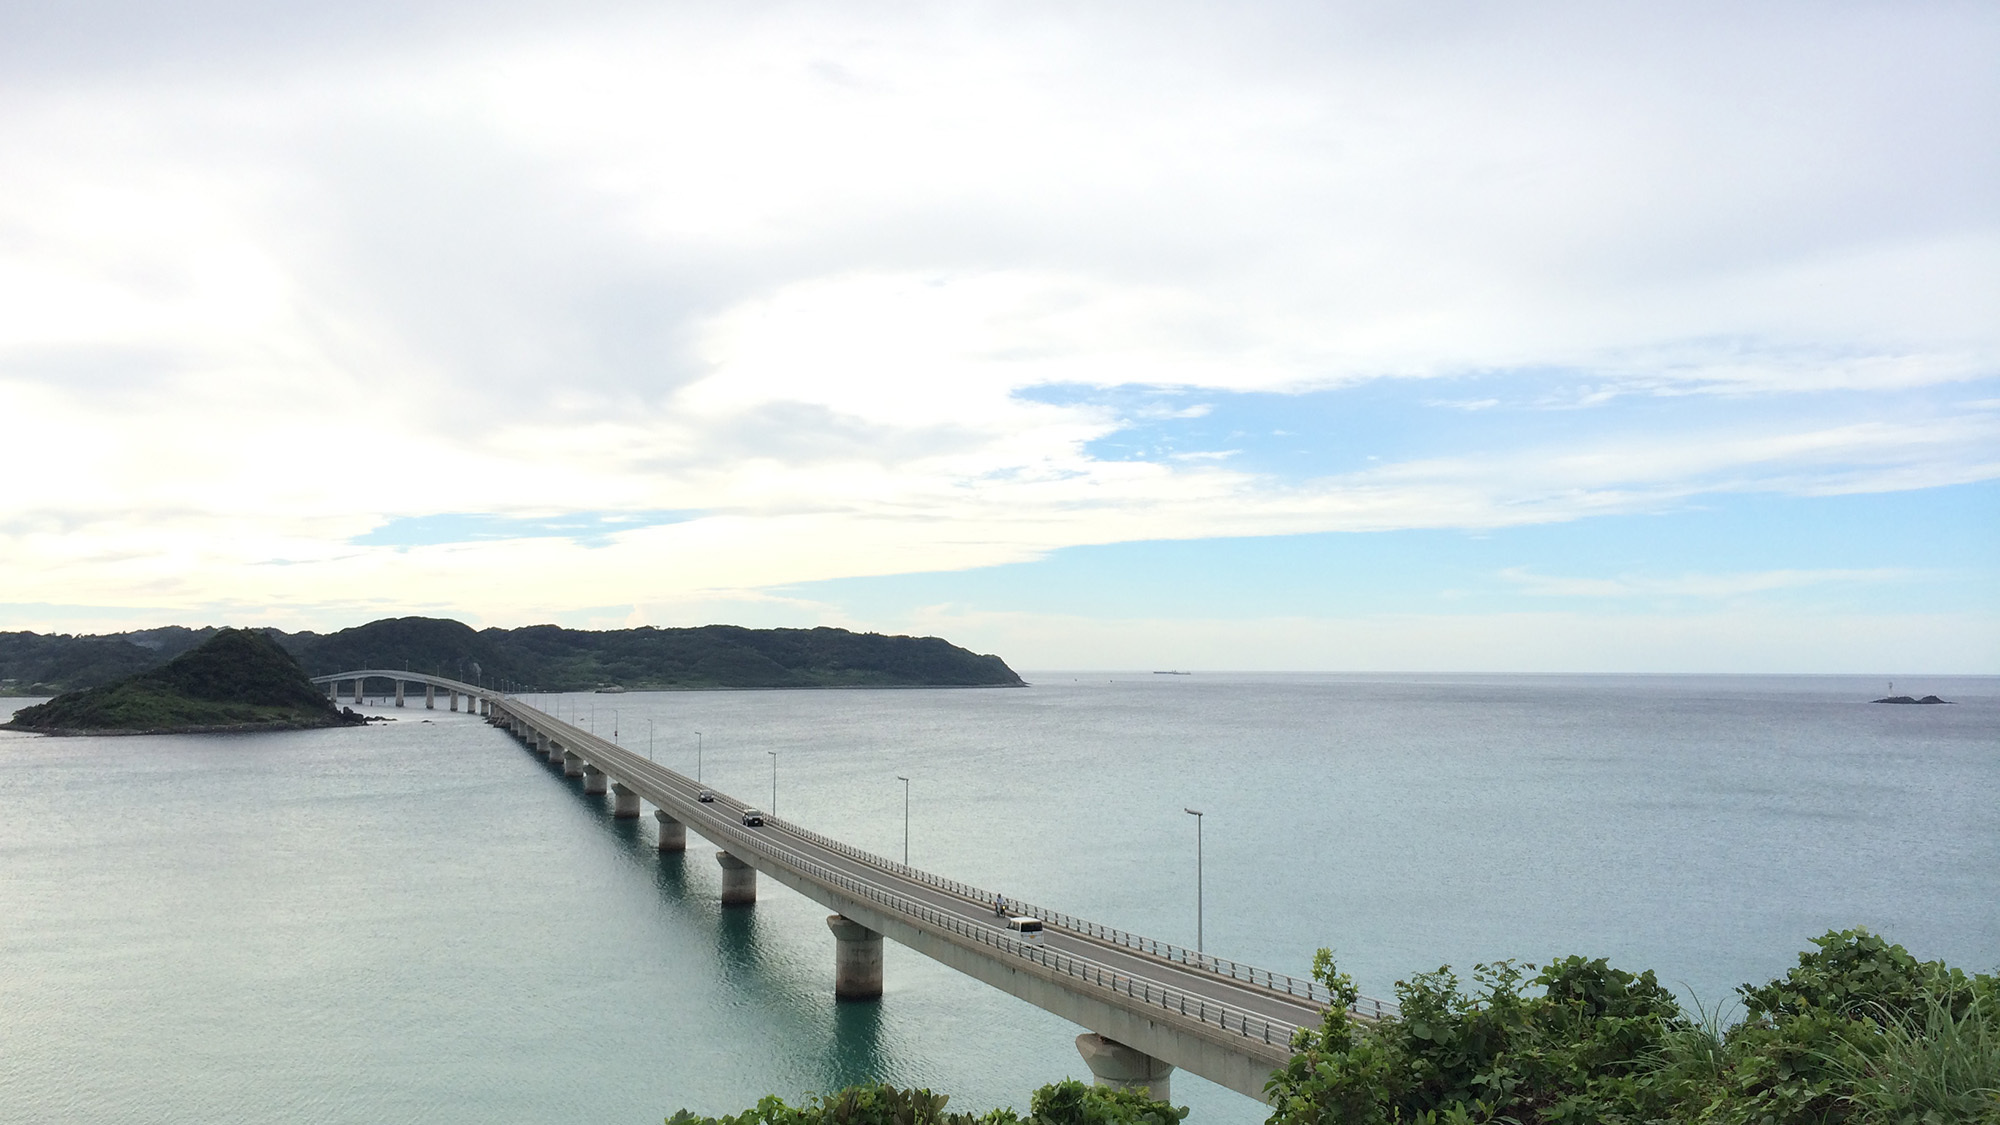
{"type": "Point", "coordinates": [1029, 928]}
{"type": "Point", "coordinates": [753, 818]}
{"type": "Point", "coordinates": [706, 796]}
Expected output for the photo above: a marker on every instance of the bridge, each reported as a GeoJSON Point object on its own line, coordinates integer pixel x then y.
{"type": "Point", "coordinates": [1149, 1006]}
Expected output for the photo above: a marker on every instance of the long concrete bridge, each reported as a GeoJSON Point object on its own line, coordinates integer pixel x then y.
{"type": "Point", "coordinates": [1149, 1006]}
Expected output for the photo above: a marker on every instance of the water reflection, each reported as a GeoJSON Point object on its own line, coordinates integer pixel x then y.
{"type": "Point", "coordinates": [854, 1053]}
{"type": "Point", "coordinates": [738, 945]}
{"type": "Point", "coordinates": [670, 876]}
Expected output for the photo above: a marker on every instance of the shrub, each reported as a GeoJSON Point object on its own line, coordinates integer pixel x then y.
{"type": "Point", "coordinates": [1064, 1103]}
{"type": "Point", "coordinates": [1859, 1031]}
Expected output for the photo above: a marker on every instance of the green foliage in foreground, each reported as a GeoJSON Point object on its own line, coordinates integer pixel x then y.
{"type": "Point", "coordinates": [1858, 1032]}
{"type": "Point", "coordinates": [1065, 1103]}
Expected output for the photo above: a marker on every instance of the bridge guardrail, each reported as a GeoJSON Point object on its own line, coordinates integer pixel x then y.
{"type": "Point", "coordinates": [1368, 1007]}
{"type": "Point", "coordinates": [1224, 1017]}
{"type": "Point", "coordinates": [1248, 1024]}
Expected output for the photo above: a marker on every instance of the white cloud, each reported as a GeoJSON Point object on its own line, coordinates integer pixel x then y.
{"type": "Point", "coordinates": [1736, 642]}
{"type": "Point", "coordinates": [1704, 586]}
{"type": "Point", "coordinates": [792, 267]}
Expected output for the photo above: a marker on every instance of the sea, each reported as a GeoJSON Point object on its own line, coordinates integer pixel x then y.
{"type": "Point", "coordinates": [419, 921]}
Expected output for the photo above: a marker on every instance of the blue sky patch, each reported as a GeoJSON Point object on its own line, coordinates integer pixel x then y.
{"type": "Point", "coordinates": [588, 529]}
{"type": "Point", "coordinates": [1934, 550]}
{"type": "Point", "coordinates": [1354, 428]}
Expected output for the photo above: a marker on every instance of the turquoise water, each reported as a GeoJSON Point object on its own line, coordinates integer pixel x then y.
{"type": "Point", "coordinates": [420, 921]}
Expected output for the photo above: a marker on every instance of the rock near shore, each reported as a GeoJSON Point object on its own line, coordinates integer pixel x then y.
{"type": "Point", "coordinates": [238, 680]}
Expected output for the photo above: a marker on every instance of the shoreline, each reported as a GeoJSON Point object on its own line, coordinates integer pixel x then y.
{"type": "Point", "coordinates": [217, 728]}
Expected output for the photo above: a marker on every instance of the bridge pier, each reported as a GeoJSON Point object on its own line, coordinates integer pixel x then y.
{"type": "Point", "coordinates": [357, 691]}
{"type": "Point", "coordinates": [857, 959]}
{"type": "Point", "coordinates": [555, 752]}
{"type": "Point", "coordinates": [673, 834]}
{"type": "Point", "coordinates": [454, 697]}
{"type": "Point", "coordinates": [624, 803]}
{"type": "Point", "coordinates": [399, 693]}
{"type": "Point", "coordinates": [1115, 1065]}
{"type": "Point", "coordinates": [572, 765]}
{"type": "Point", "coordinates": [739, 880]}
{"type": "Point", "coordinates": [430, 697]}
{"type": "Point", "coordinates": [594, 779]}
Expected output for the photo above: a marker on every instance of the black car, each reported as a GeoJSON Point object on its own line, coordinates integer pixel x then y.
{"type": "Point", "coordinates": [706, 796]}
{"type": "Point", "coordinates": [753, 818]}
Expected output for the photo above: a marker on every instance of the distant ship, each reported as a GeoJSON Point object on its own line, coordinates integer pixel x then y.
{"type": "Point", "coordinates": [1157, 672]}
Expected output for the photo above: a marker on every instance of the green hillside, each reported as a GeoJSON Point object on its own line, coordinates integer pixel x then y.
{"type": "Point", "coordinates": [545, 657]}
{"type": "Point", "coordinates": [237, 679]}
{"type": "Point", "coordinates": [551, 658]}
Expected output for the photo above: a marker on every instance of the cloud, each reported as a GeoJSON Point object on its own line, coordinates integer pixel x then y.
{"type": "Point", "coordinates": [300, 286]}
{"type": "Point", "coordinates": [1702, 586]}
{"type": "Point", "coordinates": [1761, 641]}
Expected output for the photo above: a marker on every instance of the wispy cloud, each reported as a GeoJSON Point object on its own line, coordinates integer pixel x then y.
{"type": "Point", "coordinates": [287, 286]}
{"type": "Point", "coordinates": [1697, 586]}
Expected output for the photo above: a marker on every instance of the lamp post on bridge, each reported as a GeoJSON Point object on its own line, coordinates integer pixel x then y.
{"type": "Point", "coordinates": [1196, 813]}
{"type": "Point", "coordinates": [614, 726]}
{"type": "Point", "coordinates": [774, 781]}
{"type": "Point", "coordinates": [649, 740]}
{"type": "Point", "coordinates": [906, 818]}
{"type": "Point", "coordinates": [697, 757]}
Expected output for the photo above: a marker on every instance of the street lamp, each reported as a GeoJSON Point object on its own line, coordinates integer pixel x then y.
{"type": "Point", "coordinates": [614, 726]}
{"type": "Point", "coordinates": [697, 757]}
{"type": "Point", "coordinates": [774, 781]}
{"type": "Point", "coordinates": [906, 818]}
{"type": "Point", "coordinates": [649, 740]}
{"type": "Point", "coordinates": [1196, 813]}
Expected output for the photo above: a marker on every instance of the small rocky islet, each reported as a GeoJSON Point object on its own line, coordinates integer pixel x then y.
{"type": "Point", "coordinates": [237, 680]}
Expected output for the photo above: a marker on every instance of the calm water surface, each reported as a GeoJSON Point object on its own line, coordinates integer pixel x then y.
{"type": "Point", "coordinates": [420, 921]}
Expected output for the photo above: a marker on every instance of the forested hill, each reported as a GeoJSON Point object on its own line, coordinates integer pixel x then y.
{"type": "Point", "coordinates": [538, 657]}
{"type": "Point", "coordinates": [238, 679]}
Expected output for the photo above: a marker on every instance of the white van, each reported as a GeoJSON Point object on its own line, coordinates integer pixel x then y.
{"type": "Point", "coordinates": [1026, 927]}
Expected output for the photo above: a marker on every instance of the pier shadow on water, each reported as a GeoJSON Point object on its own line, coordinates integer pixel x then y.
{"type": "Point", "coordinates": [854, 1051]}
{"type": "Point", "coordinates": [738, 945]}
{"type": "Point", "coordinates": [851, 1033]}
{"type": "Point", "coordinates": [670, 874]}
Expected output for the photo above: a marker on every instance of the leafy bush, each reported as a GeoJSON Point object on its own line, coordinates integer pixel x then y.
{"type": "Point", "coordinates": [1064, 1103]}
{"type": "Point", "coordinates": [1859, 1031]}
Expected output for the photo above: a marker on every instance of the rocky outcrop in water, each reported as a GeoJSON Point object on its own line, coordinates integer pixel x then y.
{"type": "Point", "coordinates": [238, 680]}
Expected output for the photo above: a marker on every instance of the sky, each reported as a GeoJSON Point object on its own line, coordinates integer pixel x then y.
{"type": "Point", "coordinates": [1592, 337]}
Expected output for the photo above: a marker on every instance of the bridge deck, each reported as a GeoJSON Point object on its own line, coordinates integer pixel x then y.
{"type": "Point", "coordinates": [1228, 1022]}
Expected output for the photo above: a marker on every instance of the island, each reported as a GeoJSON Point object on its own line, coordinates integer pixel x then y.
{"type": "Point", "coordinates": [547, 658]}
{"type": "Point", "coordinates": [236, 680]}
{"type": "Point", "coordinates": [1907, 699]}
